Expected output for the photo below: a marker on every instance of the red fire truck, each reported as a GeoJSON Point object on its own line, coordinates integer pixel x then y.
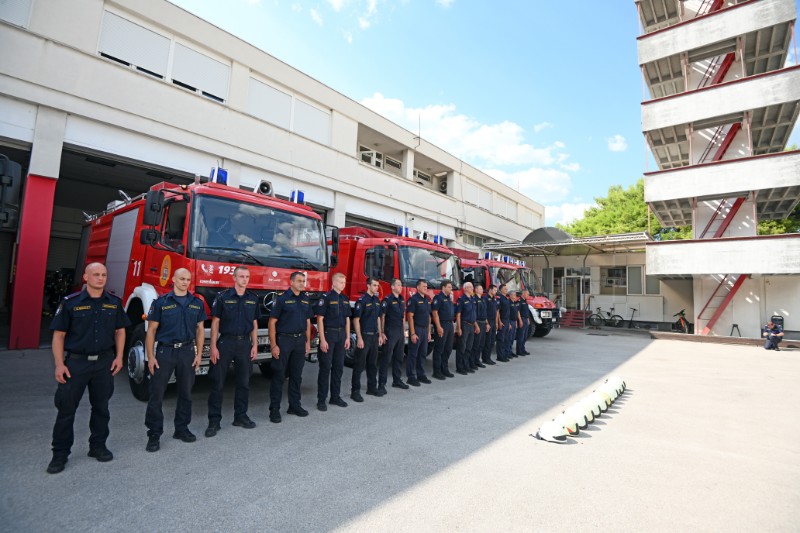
{"type": "Point", "coordinates": [208, 229]}
{"type": "Point", "coordinates": [367, 253]}
{"type": "Point", "coordinates": [516, 278]}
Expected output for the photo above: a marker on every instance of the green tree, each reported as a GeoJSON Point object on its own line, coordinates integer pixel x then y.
{"type": "Point", "coordinates": [622, 211]}
{"type": "Point", "coordinates": [790, 224]}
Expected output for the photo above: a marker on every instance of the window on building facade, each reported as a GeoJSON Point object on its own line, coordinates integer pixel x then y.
{"type": "Point", "coordinates": [635, 280]}
{"type": "Point", "coordinates": [270, 104]}
{"type": "Point", "coordinates": [613, 280]}
{"type": "Point", "coordinates": [311, 122]}
{"type": "Point", "coordinates": [652, 285]}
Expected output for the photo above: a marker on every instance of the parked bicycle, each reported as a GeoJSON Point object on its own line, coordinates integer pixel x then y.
{"type": "Point", "coordinates": [682, 325]}
{"type": "Point", "coordinates": [607, 318]}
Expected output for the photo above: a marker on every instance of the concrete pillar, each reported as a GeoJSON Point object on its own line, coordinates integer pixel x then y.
{"type": "Point", "coordinates": [34, 228]}
{"type": "Point", "coordinates": [408, 164]}
{"type": "Point", "coordinates": [336, 216]}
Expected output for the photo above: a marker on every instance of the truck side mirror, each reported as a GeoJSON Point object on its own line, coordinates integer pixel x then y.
{"type": "Point", "coordinates": [334, 259]}
{"type": "Point", "coordinates": [153, 207]}
{"type": "Point", "coordinates": [148, 236]}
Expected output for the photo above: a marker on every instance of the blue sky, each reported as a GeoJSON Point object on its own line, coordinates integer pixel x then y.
{"type": "Point", "coordinates": [543, 95]}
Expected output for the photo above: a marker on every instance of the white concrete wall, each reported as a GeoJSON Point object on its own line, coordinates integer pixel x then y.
{"type": "Point", "coordinates": [725, 25]}
{"type": "Point", "coordinates": [760, 255]}
{"type": "Point", "coordinates": [123, 112]}
{"type": "Point", "coordinates": [782, 297]}
{"type": "Point", "coordinates": [780, 87]}
{"type": "Point", "coordinates": [742, 225]}
{"type": "Point", "coordinates": [720, 180]}
{"type": "Point", "coordinates": [745, 309]}
{"type": "Point", "coordinates": [740, 146]}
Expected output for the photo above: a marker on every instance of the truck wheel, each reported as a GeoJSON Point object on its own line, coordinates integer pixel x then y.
{"type": "Point", "coordinates": [350, 353]}
{"type": "Point", "coordinates": [541, 331]}
{"type": "Point", "coordinates": [138, 373]}
{"type": "Point", "coordinates": [266, 369]}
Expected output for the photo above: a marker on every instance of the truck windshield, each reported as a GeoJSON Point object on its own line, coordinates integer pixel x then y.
{"type": "Point", "coordinates": [233, 231]}
{"type": "Point", "coordinates": [531, 282]}
{"type": "Point", "coordinates": [509, 276]}
{"type": "Point", "coordinates": [431, 265]}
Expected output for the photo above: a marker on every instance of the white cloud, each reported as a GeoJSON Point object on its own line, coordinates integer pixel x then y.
{"type": "Point", "coordinates": [347, 37]}
{"type": "Point", "coordinates": [540, 172]}
{"type": "Point", "coordinates": [297, 8]}
{"type": "Point", "coordinates": [315, 16]}
{"type": "Point", "coordinates": [564, 213]}
{"type": "Point", "coordinates": [617, 143]}
{"type": "Point", "coordinates": [337, 5]}
{"type": "Point", "coordinates": [445, 3]}
{"type": "Point", "coordinates": [541, 126]}
{"type": "Point", "coordinates": [363, 23]}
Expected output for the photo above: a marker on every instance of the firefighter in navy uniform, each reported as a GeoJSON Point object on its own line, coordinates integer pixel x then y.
{"type": "Point", "coordinates": [419, 334]}
{"type": "Point", "coordinates": [443, 313]}
{"type": "Point", "coordinates": [234, 337]}
{"type": "Point", "coordinates": [290, 341]}
{"type": "Point", "coordinates": [483, 327]}
{"type": "Point", "coordinates": [516, 323]}
{"type": "Point", "coordinates": [366, 318]}
{"type": "Point", "coordinates": [393, 321]}
{"type": "Point", "coordinates": [88, 341]}
{"type": "Point", "coordinates": [492, 317]}
{"type": "Point", "coordinates": [525, 319]}
{"type": "Point", "coordinates": [333, 324]}
{"type": "Point", "coordinates": [503, 324]}
{"type": "Point", "coordinates": [175, 321]}
{"type": "Point", "coordinates": [466, 328]}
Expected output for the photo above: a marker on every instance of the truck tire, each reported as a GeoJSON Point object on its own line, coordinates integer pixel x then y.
{"type": "Point", "coordinates": [138, 373]}
{"type": "Point", "coordinates": [350, 353]}
{"type": "Point", "coordinates": [541, 331]}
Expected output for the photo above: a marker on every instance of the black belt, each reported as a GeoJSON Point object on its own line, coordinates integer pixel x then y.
{"type": "Point", "coordinates": [420, 325]}
{"type": "Point", "coordinates": [175, 344]}
{"type": "Point", "coordinates": [292, 334]}
{"type": "Point", "coordinates": [87, 356]}
{"type": "Point", "coordinates": [468, 322]}
{"type": "Point", "coordinates": [369, 332]}
{"type": "Point", "coordinates": [235, 337]}
{"type": "Point", "coordinates": [334, 329]}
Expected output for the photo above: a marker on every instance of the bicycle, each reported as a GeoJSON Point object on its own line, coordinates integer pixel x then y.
{"type": "Point", "coordinates": [630, 322]}
{"type": "Point", "coordinates": [597, 319]}
{"type": "Point", "coordinates": [682, 325]}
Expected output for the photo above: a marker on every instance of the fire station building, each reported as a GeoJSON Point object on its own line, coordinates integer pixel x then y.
{"type": "Point", "coordinates": [98, 97]}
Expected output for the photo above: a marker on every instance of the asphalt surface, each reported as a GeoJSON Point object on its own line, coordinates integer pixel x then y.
{"type": "Point", "coordinates": [705, 439]}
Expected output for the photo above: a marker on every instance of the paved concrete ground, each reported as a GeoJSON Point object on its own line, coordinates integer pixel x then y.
{"type": "Point", "coordinates": [705, 439]}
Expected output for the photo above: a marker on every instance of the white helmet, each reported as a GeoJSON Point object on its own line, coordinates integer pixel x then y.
{"type": "Point", "coordinates": [609, 389]}
{"type": "Point", "coordinates": [552, 432]}
{"type": "Point", "coordinates": [606, 396]}
{"type": "Point", "coordinates": [599, 400]}
{"type": "Point", "coordinates": [579, 414]}
{"type": "Point", "coordinates": [569, 423]}
{"type": "Point", "coordinates": [592, 406]}
{"type": "Point", "coordinates": [618, 382]}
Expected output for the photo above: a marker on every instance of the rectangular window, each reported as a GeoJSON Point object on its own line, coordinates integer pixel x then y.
{"type": "Point", "coordinates": [311, 122]}
{"type": "Point", "coordinates": [379, 263]}
{"type": "Point", "coordinates": [131, 44]}
{"type": "Point", "coordinates": [423, 176]}
{"type": "Point", "coordinates": [192, 69]}
{"type": "Point", "coordinates": [652, 285]}
{"type": "Point", "coordinates": [393, 164]}
{"type": "Point", "coordinates": [270, 104]}
{"type": "Point", "coordinates": [634, 280]}
{"type": "Point", "coordinates": [547, 279]}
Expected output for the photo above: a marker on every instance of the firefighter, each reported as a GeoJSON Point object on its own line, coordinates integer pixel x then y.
{"type": "Point", "coordinates": [516, 323]}
{"type": "Point", "coordinates": [290, 341]}
{"type": "Point", "coordinates": [419, 321]}
{"type": "Point", "coordinates": [333, 324]}
{"type": "Point", "coordinates": [465, 330]}
{"type": "Point", "coordinates": [366, 316]}
{"type": "Point", "coordinates": [774, 334]}
{"type": "Point", "coordinates": [442, 314]}
{"type": "Point", "coordinates": [503, 324]}
{"type": "Point", "coordinates": [88, 341]}
{"type": "Point", "coordinates": [525, 321]}
{"type": "Point", "coordinates": [482, 327]}
{"type": "Point", "coordinates": [393, 325]}
{"type": "Point", "coordinates": [175, 321]}
{"type": "Point", "coordinates": [234, 319]}
{"type": "Point", "coordinates": [492, 318]}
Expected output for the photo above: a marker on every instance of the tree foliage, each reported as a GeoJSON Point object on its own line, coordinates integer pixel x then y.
{"type": "Point", "coordinates": [622, 211]}
{"type": "Point", "coordinates": [791, 224]}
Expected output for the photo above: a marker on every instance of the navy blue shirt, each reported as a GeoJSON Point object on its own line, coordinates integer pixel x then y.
{"type": "Point", "coordinates": [292, 312]}
{"type": "Point", "coordinates": [513, 311]}
{"type": "Point", "coordinates": [420, 305]}
{"type": "Point", "coordinates": [466, 307]}
{"type": "Point", "coordinates": [524, 310]}
{"type": "Point", "coordinates": [90, 323]}
{"type": "Point", "coordinates": [480, 306]}
{"type": "Point", "coordinates": [236, 313]}
{"type": "Point", "coordinates": [393, 309]}
{"type": "Point", "coordinates": [368, 310]}
{"type": "Point", "coordinates": [504, 304]}
{"type": "Point", "coordinates": [334, 308]}
{"type": "Point", "coordinates": [774, 330]}
{"type": "Point", "coordinates": [177, 322]}
{"type": "Point", "coordinates": [491, 309]}
{"type": "Point", "coordinates": [444, 306]}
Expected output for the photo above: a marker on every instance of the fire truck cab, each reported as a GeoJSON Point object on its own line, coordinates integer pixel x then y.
{"type": "Point", "coordinates": [209, 229]}
{"type": "Point", "coordinates": [516, 277]}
